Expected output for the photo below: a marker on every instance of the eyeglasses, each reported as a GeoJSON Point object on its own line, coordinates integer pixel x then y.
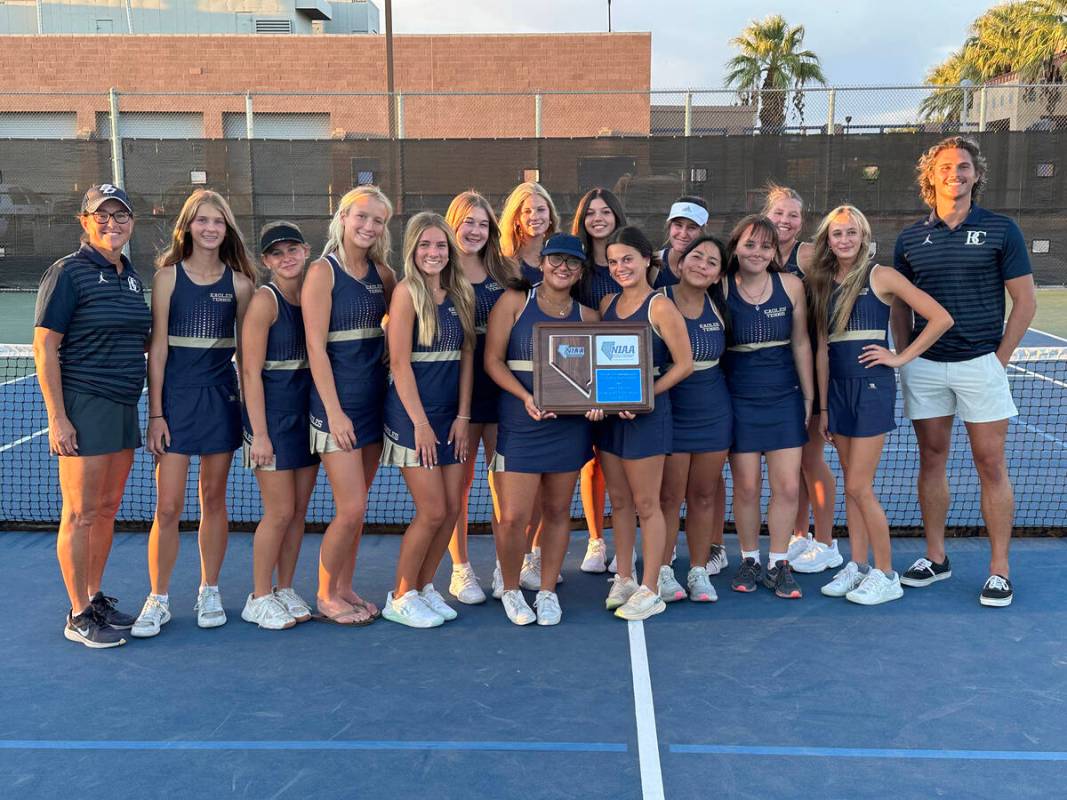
{"type": "Point", "coordinates": [101, 217]}
{"type": "Point", "coordinates": [556, 260]}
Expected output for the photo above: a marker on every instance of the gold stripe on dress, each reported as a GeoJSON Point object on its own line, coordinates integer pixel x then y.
{"type": "Point", "coordinates": [200, 343]}
{"type": "Point", "coordinates": [751, 348]}
{"type": "Point", "coordinates": [437, 355]}
{"type": "Point", "coordinates": [520, 366]}
{"type": "Point", "coordinates": [856, 336]}
{"type": "Point", "coordinates": [701, 365]}
{"type": "Point", "coordinates": [292, 364]}
{"type": "Point", "coordinates": [354, 334]}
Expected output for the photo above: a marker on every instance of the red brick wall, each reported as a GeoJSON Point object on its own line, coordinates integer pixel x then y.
{"type": "Point", "coordinates": [302, 64]}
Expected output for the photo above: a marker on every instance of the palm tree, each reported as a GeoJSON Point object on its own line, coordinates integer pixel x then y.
{"type": "Point", "coordinates": [770, 64]}
{"type": "Point", "coordinates": [945, 103]}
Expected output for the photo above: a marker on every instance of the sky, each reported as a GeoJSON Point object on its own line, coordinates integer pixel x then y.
{"type": "Point", "coordinates": [859, 42]}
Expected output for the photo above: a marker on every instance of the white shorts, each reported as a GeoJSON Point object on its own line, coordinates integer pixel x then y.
{"type": "Point", "coordinates": [976, 389]}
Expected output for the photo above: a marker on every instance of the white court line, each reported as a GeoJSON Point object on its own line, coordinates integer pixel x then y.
{"type": "Point", "coordinates": [23, 440]}
{"type": "Point", "coordinates": [645, 713]}
{"type": "Point", "coordinates": [1049, 335]}
{"type": "Point", "coordinates": [1039, 376]}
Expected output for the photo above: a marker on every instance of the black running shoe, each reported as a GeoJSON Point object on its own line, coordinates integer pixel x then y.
{"type": "Point", "coordinates": [105, 608]}
{"type": "Point", "coordinates": [748, 576]}
{"type": "Point", "coordinates": [924, 572]}
{"type": "Point", "coordinates": [89, 628]}
{"type": "Point", "coordinates": [996, 592]}
{"type": "Point", "coordinates": [780, 579]}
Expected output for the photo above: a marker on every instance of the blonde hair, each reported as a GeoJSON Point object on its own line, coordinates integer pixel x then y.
{"type": "Point", "coordinates": [775, 193]}
{"type": "Point", "coordinates": [453, 281]}
{"type": "Point", "coordinates": [820, 276]}
{"type": "Point", "coordinates": [379, 251]}
{"type": "Point", "coordinates": [500, 268]}
{"type": "Point", "coordinates": [926, 166]}
{"type": "Point", "coordinates": [232, 252]}
{"type": "Point", "coordinates": [511, 236]}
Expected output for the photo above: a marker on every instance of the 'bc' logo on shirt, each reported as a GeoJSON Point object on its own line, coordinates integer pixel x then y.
{"type": "Point", "coordinates": [975, 237]}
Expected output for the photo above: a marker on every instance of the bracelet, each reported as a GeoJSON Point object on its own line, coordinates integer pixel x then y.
{"type": "Point", "coordinates": [158, 416]}
{"type": "Point", "coordinates": [421, 424]}
{"type": "Point", "coordinates": [460, 416]}
{"type": "Point", "coordinates": [824, 411]}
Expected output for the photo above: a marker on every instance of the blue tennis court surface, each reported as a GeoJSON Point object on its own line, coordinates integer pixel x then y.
{"type": "Point", "coordinates": [752, 697]}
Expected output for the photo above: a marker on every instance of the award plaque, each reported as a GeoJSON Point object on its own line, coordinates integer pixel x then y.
{"type": "Point", "coordinates": [582, 365]}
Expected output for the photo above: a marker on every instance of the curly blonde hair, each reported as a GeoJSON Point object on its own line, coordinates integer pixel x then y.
{"type": "Point", "coordinates": [926, 165]}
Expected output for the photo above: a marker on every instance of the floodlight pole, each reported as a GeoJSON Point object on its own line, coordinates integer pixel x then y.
{"type": "Point", "coordinates": [609, 16]}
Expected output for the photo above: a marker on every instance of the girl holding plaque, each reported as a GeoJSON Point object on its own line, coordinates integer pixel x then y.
{"type": "Point", "coordinates": [538, 454]}
{"type": "Point", "coordinates": [633, 446]}
{"type": "Point", "coordinates": [769, 372]}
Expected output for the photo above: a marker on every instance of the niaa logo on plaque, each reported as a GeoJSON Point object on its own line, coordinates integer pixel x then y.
{"type": "Point", "coordinates": [616, 351]}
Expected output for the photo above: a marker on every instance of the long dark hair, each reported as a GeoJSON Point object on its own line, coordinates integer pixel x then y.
{"type": "Point", "coordinates": [578, 229]}
{"type": "Point", "coordinates": [762, 225]}
{"type": "Point", "coordinates": [716, 291]}
{"type": "Point", "coordinates": [631, 236]}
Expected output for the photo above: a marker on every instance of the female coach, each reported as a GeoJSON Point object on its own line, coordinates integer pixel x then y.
{"type": "Point", "coordinates": [277, 392]}
{"type": "Point", "coordinates": [91, 328]}
{"type": "Point", "coordinates": [203, 284]}
{"type": "Point", "coordinates": [769, 373]}
{"type": "Point", "coordinates": [702, 422]}
{"type": "Point", "coordinates": [633, 446]}
{"type": "Point", "coordinates": [538, 453]}
{"type": "Point", "coordinates": [851, 299]}
{"type": "Point", "coordinates": [427, 410]}
{"type": "Point", "coordinates": [343, 300]}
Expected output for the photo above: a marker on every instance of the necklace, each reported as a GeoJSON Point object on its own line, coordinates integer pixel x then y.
{"type": "Point", "coordinates": [749, 297]}
{"type": "Point", "coordinates": [559, 311]}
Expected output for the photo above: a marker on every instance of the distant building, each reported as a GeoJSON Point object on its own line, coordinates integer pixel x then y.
{"type": "Point", "coordinates": [203, 17]}
{"type": "Point", "coordinates": [1000, 105]}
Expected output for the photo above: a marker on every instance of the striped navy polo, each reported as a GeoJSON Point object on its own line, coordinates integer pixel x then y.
{"type": "Point", "coordinates": [104, 320]}
{"type": "Point", "coordinates": [964, 269]}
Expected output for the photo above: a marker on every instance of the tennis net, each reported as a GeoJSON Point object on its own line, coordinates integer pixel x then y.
{"type": "Point", "coordinates": [1037, 463]}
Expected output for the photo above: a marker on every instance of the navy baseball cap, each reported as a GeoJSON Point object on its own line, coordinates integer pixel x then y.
{"type": "Point", "coordinates": [96, 196]}
{"type": "Point", "coordinates": [564, 244]}
{"type": "Point", "coordinates": [279, 233]}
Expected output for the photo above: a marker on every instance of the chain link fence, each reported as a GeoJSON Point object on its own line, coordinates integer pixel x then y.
{"type": "Point", "coordinates": [293, 156]}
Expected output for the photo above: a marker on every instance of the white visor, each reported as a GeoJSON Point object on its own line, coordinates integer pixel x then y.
{"type": "Point", "coordinates": [690, 211]}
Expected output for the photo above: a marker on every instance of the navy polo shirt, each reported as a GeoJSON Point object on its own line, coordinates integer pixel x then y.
{"type": "Point", "coordinates": [104, 320]}
{"type": "Point", "coordinates": [964, 269]}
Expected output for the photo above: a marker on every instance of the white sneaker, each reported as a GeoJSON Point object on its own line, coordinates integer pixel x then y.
{"type": "Point", "coordinates": [464, 585]}
{"type": "Point", "coordinates": [267, 612]}
{"type": "Point", "coordinates": [530, 577]}
{"type": "Point", "coordinates": [498, 582]}
{"type": "Point", "coordinates": [154, 615]}
{"type": "Point", "coordinates": [621, 590]}
{"type": "Point", "coordinates": [517, 609]}
{"type": "Point", "coordinates": [432, 598]}
{"type": "Point", "coordinates": [596, 556]}
{"type": "Point", "coordinates": [876, 588]}
{"type": "Point", "coordinates": [209, 611]}
{"type": "Point", "coordinates": [294, 603]}
{"type": "Point", "coordinates": [798, 545]}
{"type": "Point", "coordinates": [669, 588]}
{"type": "Point", "coordinates": [844, 581]}
{"type": "Point", "coordinates": [548, 610]}
{"type": "Point", "coordinates": [818, 557]}
{"type": "Point", "coordinates": [613, 567]}
{"type": "Point", "coordinates": [700, 588]}
{"type": "Point", "coordinates": [642, 604]}
{"type": "Point", "coordinates": [718, 561]}
{"type": "Point", "coordinates": [410, 610]}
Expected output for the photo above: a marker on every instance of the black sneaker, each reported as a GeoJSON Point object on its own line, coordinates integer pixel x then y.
{"type": "Point", "coordinates": [89, 629]}
{"type": "Point", "coordinates": [105, 608]}
{"type": "Point", "coordinates": [748, 576]}
{"type": "Point", "coordinates": [924, 572]}
{"type": "Point", "coordinates": [780, 579]}
{"type": "Point", "coordinates": [996, 592]}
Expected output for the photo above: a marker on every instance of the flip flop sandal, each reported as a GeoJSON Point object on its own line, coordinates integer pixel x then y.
{"type": "Point", "coordinates": [339, 618]}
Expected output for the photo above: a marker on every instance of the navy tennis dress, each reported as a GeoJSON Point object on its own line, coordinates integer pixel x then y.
{"type": "Point", "coordinates": [436, 368]}
{"type": "Point", "coordinates": [792, 264]}
{"type": "Point", "coordinates": [524, 444]}
{"type": "Point", "coordinates": [665, 277]}
{"type": "Point", "coordinates": [486, 394]}
{"type": "Point", "coordinates": [200, 398]}
{"type": "Point", "coordinates": [860, 400]}
{"type": "Point", "coordinates": [355, 345]}
{"type": "Point", "coordinates": [701, 412]}
{"type": "Point", "coordinates": [648, 434]}
{"type": "Point", "coordinates": [531, 273]}
{"type": "Point", "coordinates": [597, 285]}
{"type": "Point", "coordinates": [286, 389]}
{"type": "Point", "coordinates": [761, 372]}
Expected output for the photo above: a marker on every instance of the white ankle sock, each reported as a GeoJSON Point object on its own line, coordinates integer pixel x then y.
{"type": "Point", "coordinates": [753, 554]}
{"type": "Point", "coordinates": [774, 558]}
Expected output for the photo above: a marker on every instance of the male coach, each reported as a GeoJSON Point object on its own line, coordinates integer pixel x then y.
{"type": "Point", "coordinates": [965, 257]}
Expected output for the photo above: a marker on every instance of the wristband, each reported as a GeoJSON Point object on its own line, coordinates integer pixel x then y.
{"type": "Point", "coordinates": [158, 416]}
{"type": "Point", "coordinates": [460, 416]}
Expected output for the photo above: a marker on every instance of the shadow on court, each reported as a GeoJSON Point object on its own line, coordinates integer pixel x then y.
{"type": "Point", "coordinates": [930, 696]}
